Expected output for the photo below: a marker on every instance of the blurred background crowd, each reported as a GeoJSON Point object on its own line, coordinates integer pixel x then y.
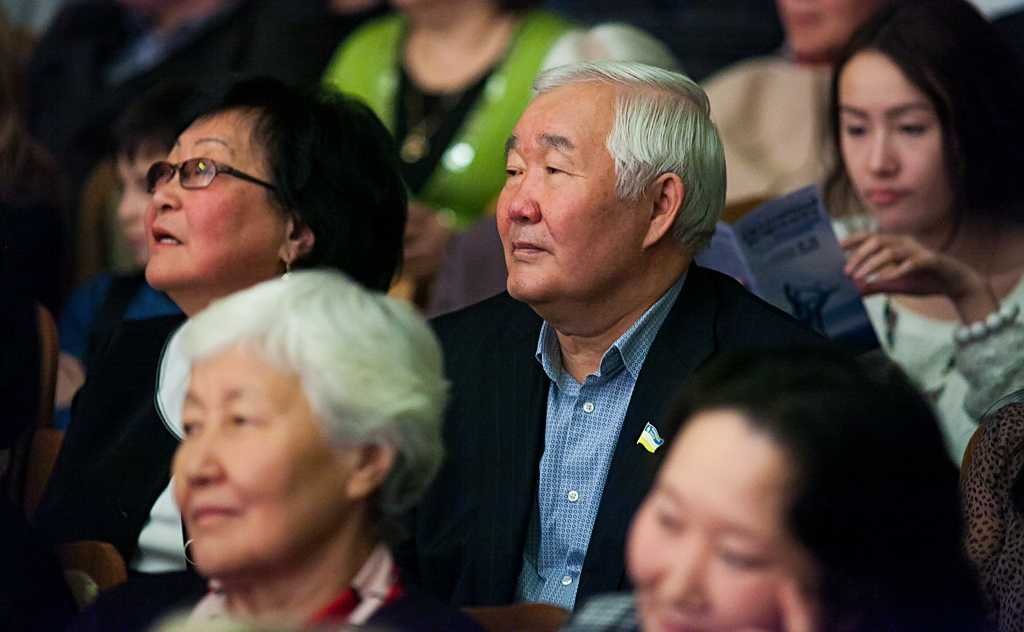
{"type": "Point", "coordinates": [104, 102]}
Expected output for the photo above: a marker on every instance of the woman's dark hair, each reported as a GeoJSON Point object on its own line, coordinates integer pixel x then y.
{"type": "Point", "coordinates": [974, 80]}
{"type": "Point", "coordinates": [335, 169]}
{"type": "Point", "coordinates": [875, 498]}
{"type": "Point", "coordinates": [151, 123]}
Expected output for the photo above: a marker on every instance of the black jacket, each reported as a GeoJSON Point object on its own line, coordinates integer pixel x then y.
{"type": "Point", "coordinates": [470, 530]}
{"type": "Point", "coordinates": [116, 457]}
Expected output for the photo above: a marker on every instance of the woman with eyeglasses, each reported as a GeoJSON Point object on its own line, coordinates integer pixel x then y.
{"type": "Point", "coordinates": [265, 180]}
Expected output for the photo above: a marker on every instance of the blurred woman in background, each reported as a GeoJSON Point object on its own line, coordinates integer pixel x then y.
{"type": "Point", "coordinates": [449, 78]}
{"type": "Point", "coordinates": [772, 111]}
{"type": "Point", "coordinates": [142, 135]}
{"type": "Point", "coordinates": [929, 119]}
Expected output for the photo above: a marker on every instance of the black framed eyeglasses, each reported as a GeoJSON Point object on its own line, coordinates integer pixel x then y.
{"type": "Point", "coordinates": [195, 173]}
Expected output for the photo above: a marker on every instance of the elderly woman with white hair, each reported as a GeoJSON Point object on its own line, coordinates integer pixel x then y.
{"type": "Point", "coordinates": [311, 424]}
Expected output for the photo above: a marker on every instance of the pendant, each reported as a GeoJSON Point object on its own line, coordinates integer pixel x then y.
{"type": "Point", "coordinates": [414, 147]}
{"type": "Point", "coordinates": [891, 319]}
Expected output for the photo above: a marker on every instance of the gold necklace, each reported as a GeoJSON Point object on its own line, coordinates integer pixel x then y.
{"type": "Point", "coordinates": [416, 144]}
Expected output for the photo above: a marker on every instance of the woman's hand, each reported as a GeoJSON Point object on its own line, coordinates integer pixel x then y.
{"type": "Point", "coordinates": [70, 378]}
{"type": "Point", "coordinates": [426, 235]}
{"type": "Point", "coordinates": [899, 264]}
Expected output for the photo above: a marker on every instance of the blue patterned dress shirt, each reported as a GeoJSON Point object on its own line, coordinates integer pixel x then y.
{"type": "Point", "coordinates": [580, 433]}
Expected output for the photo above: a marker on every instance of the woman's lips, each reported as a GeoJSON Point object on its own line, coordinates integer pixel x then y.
{"type": "Point", "coordinates": [161, 236]}
{"type": "Point", "coordinates": [885, 197]}
{"type": "Point", "coordinates": [801, 20]}
{"type": "Point", "coordinates": [208, 513]}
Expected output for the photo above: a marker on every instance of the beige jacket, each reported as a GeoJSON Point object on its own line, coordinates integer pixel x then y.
{"type": "Point", "coordinates": [773, 116]}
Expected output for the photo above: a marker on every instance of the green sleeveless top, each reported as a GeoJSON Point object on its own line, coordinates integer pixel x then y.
{"type": "Point", "coordinates": [472, 170]}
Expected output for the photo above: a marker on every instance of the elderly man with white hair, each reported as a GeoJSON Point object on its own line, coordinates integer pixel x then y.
{"type": "Point", "coordinates": [616, 178]}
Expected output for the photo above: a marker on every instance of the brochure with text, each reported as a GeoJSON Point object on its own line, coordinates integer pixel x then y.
{"type": "Point", "coordinates": [793, 254]}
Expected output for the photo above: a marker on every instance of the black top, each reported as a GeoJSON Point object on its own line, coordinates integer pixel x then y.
{"type": "Point", "coordinates": [19, 369]}
{"type": "Point", "coordinates": [142, 601]}
{"type": "Point", "coordinates": [32, 254]}
{"type": "Point", "coordinates": [441, 117]}
{"type": "Point", "coordinates": [116, 457]}
{"type": "Point", "coordinates": [33, 594]}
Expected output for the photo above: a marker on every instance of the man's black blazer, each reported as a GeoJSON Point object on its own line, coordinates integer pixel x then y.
{"type": "Point", "coordinates": [470, 529]}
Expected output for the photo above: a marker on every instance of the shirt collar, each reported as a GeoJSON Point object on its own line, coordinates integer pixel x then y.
{"type": "Point", "coordinates": [377, 584]}
{"type": "Point", "coordinates": [631, 347]}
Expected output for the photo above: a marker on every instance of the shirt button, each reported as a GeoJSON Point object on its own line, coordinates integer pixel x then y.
{"type": "Point", "coordinates": [588, 407]}
{"type": "Point", "coordinates": [566, 580]}
{"type": "Point", "coordinates": [573, 496]}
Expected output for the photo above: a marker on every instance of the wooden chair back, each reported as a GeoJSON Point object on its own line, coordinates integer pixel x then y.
{"type": "Point", "coordinates": [49, 350]}
{"type": "Point", "coordinates": [43, 447]}
{"type": "Point", "coordinates": [90, 567]}
{"type": "Point", "coordinates": [520, 617]}
{"type": "Point", "coordinates": [734, 211]}
{"type": "Point", "coordinates": [32, 457]}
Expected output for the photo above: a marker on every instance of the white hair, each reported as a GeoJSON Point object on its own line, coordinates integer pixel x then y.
{"type": "Point", "coordinates": [662, 125]}
{"type": "Point", "coordinates": [370, 366]}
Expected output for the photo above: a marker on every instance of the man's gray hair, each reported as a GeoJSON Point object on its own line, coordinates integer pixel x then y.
{"type": "Point", "coordinates": [370, 367]}
{"type": "Point", "coordinates": [662, 125]}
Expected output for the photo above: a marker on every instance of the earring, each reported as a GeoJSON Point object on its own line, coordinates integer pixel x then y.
{"type": "Point", "coordinates": [287, 270]}
{"type": "Point", "coordinates": [187, 557]}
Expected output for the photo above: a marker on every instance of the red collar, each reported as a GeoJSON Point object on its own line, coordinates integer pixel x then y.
{"type": "Point", "coordinates": [341, 608]}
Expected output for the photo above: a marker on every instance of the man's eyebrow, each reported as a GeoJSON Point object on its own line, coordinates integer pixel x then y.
{"type": "Point", "coordinates": [556, 141]}
{"type": "Point", "coordinates": [548, 140]}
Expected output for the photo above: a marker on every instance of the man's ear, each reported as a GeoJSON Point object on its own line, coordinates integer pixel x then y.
{"type": "Point", "coordinates": [666, 195]}
{"type": "Point", "coordinates": [373, 463]}
{"type": "Point", "coordinates": [298, 242]}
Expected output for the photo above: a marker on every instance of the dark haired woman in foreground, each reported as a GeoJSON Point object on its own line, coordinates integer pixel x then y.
{"type": "Point", "coordinates": [801, 493]}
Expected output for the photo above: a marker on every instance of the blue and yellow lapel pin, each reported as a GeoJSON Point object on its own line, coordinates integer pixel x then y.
{"type": "Point", "coordinates": [650, 438]}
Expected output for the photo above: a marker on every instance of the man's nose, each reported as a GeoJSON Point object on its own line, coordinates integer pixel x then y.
{"type": "Point", "coordinates": [521, 201]}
